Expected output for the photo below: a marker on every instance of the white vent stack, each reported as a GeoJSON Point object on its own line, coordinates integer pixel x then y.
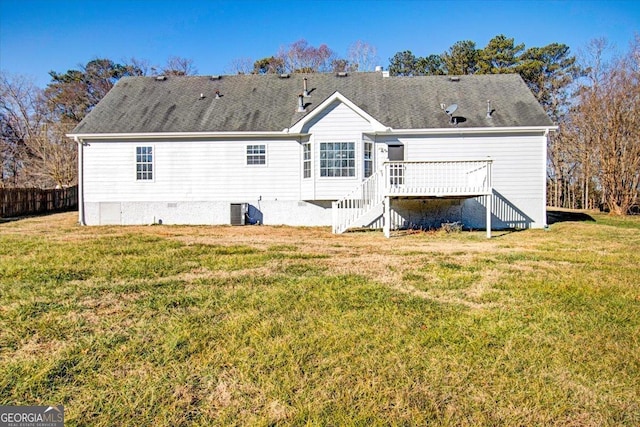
{"type": "Point", "coordinates": [301, 104]}
{"type": "Point", "coordinates": [378, 68]}
{"type": "Point", "coordinates": [489, 111]}
{"type": "Point", "coordinates": [305, 92]}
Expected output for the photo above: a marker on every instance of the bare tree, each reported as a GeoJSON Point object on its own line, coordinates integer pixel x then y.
{"type": "Point", "coordinates": [34, 136]}
{"type": "Point", "coordinates": [140, 67]}
{"type": "Point", "coordinates": [22, 114]}
{"type": "Point", "coordinates": [362, 56]}
{"type": "Point", "coordinates": [244, 65]}
{"type": "Point", "coordinates": [607, 122]}
{"type": "Point", "coordinates": [52, 157]}
{"type": "Point", "coordinates": [178, 66]}
{"type": "Point", "coordinates": [300, 57]}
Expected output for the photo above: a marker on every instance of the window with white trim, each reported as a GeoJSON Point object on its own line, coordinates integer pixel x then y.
{"type": "Point", "coordinates": [256, 154]}
{"type": "Point", "coordinates": [337, 159]}
{"type": "Point", "coordinates": [368, 159]}
{"type": "Point", "coordinates": [144, 163]}
{"type": "Point", "coordinates": [306, 160]}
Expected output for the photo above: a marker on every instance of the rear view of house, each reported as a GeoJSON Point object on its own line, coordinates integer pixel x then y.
{"type": "Point", "coordinates": [346, 150]}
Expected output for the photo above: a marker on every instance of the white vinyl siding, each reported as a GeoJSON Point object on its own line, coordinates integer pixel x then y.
{"type": "Point", "coordinates": [518, 176]}
{"type": "Point", "coordinates": [192, 171]}
{"type": "Point", "coordinates": [337, 123]}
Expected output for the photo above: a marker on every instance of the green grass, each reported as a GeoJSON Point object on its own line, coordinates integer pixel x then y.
{"type": "Point", "coordinates": [294, 326]}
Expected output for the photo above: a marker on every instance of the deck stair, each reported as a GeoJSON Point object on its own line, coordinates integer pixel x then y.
{"type": "Point", "coordinates": [364, 206]}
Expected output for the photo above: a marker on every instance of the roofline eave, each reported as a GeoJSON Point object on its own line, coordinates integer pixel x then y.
{"type": "Point", "coordinates": [292, 133]}
{"type": "Point", "coordinates": [449, 131]}
{"type": "Point", "coordinates": [182, 135]}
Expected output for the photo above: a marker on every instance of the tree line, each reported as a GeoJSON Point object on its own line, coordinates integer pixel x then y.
{"type": "Point", "coordinates": [34, 151]}
{"type": "Point", "coordinates": [593, 160]}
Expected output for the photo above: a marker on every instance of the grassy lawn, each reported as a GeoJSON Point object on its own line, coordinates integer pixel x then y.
{"type": "Point", "coordinates": [178, 325]}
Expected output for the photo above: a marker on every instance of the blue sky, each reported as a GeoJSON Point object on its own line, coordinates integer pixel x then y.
{"type": "Point", "coordinates": [38, 36]}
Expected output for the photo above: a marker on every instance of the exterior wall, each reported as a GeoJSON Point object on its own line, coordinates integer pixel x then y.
{"type": "Point", "coordinates": [518, 171]}
{"type": "Point", "coordinates": [192, 171]}
{"type": "Point", "coordinates": [337, 123]}
{"type": "Point", "coordinates": [194, 182]}
{"type": "Point", "coordinates": [272, 212]}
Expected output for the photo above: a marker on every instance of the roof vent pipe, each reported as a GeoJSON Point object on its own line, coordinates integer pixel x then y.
{"type": "Point", "coordinates": [378, 68]}
{"type": "Point", "coordinates": [301, 103]}
{"type": "Point", "coordinates": [218, 94]}
{"type": "Point", "coordinates": [489, 110]}
{"type": "Point", "coordinates": [305, 93]}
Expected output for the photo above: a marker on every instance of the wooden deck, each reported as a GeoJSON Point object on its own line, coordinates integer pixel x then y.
{"type": "Point", "coordinates": [436, 179]}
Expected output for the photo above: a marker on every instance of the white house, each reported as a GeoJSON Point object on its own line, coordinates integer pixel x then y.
{"type": "Point", "coordinates": [347, 150]}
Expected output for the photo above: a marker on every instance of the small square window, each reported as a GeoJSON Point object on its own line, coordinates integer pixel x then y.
{"type": "Point", "coordinates": [256, 155]}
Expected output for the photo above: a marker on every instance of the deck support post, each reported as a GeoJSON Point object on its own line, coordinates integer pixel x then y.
{"type": "Point", "coordinates": [488, 203]}
{"type": "Point", "coordinates": [387, 217]}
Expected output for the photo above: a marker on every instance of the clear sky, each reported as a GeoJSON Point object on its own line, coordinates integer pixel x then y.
{"type": "Point", "coordinates": [39, 36]}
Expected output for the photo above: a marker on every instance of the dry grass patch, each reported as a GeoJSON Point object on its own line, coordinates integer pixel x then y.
{"type": "Point", "coordinates": [190, 325]}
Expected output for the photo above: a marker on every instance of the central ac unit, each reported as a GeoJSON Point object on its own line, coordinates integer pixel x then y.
{"type": "Point", "coordinates": [239, 213]}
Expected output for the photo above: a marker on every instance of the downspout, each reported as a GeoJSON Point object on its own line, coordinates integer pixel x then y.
{"type": "Point", "coordinates": [80, 180]}
{"type": "Point", "coordinates": [544, 180]}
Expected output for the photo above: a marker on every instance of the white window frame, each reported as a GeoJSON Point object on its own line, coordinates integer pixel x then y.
{"type": "Point", "coordinates": [145, 170]}
{"type": "Point", "coordinates": [307, 165]}
{"type": "Point", "coordinates": [367, 148]}
{"type": "Point", "coordinates": [333, 156]}
{"type": "Point", "coordinates": [256, 155]}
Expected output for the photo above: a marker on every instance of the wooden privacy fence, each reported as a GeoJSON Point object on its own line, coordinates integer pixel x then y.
{"type": "Point", "coordinates": [27, 201]}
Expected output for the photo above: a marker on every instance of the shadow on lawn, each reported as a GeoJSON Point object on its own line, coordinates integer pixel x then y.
{"type": "Point", "coordinates": [554, 216]}
{"type": "Point", "coordinates": [36, 215]}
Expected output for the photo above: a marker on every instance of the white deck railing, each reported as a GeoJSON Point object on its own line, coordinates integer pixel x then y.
{"type": "Point", "coordinates": [365, 197]}
{"type": "Point", "coordinates": [438, 179]}
{"type": "Point", "coordinates": [411, 179]}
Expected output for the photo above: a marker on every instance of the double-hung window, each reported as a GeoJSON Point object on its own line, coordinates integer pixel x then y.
{"type": "Point", "coordinates": [337, 159]}
{"type": "Point", "coordinates": [306, 160]}
{"type": "Point", "coordinates": [368, 159]}
{"type": "Point", "coordinates": [256, 154]}
{"type": "Point", "coordinates": [144, 163]}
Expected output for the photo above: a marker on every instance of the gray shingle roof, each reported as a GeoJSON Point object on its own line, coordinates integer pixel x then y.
{"type": "Point", "coordinates": [268, 102]}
